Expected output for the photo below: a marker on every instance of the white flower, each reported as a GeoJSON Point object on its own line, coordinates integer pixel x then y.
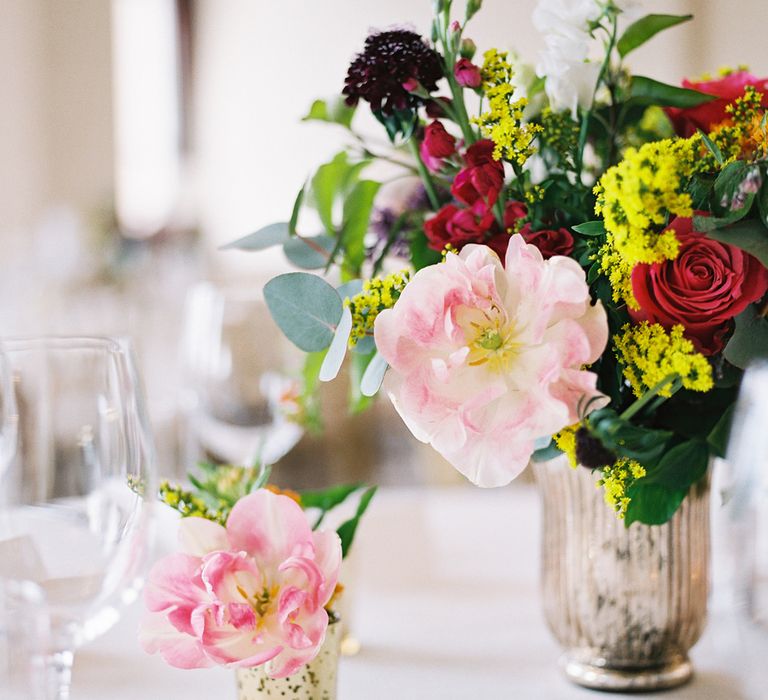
{"type": "Point", "coordinates": [570, 75]}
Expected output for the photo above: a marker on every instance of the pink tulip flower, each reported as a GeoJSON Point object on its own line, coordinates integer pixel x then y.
{"type": "Point", "coordinates": [249, 594]}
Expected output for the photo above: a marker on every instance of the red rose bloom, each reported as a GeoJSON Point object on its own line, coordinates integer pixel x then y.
{"type": "Point", "coordinates": [703, 288]}
{"type": "Point", "coordinates": [467, 74]}
{"type": "Point", "coordinates": [709, 114]}
{"type": "Point", "coordinates": [457, 227]}
{"type": "Point", "coordinates": [549, 241]}
{"type": "Point", "coordinates": [479, 183]}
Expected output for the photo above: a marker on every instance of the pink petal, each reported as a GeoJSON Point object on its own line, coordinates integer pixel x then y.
{"type": "Point", "coordinates": [180, 650]}
{"type": "Point", "coordinates": [269, 527]}
{"type": "Point", "coordinates": [328, 560]}
{"type": "Point", "coordinates": [174, 582]}
{"type": "Point", "coordinates": [198, 536]}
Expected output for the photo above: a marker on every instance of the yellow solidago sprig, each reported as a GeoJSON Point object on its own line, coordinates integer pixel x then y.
{"type": "Point", "coordinates": [503, 121]}
{"type": "Point", "coordinates": [636, 196]}
{"type": "Point", "coordinates": [566, 443]}
{"type": "Point", "coordinates": [560, 132]}
{"type": "Point", "coordinates": [650, 354]}
{"type": "Point", "coordinates": [616, 480]}
{"type": "Point", "coordinates": [378, 294]}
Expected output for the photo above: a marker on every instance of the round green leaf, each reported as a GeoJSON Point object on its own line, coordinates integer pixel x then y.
{"type": "Point", "coordinates": [303, 252]}
{"type": "Point", "coordinates": [305, 307]}
{"type": "Point", "coordinates": [265, 237]}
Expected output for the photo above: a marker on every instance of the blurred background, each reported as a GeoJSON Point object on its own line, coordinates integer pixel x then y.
{"type": "Point", "coordinates": [138, 136]}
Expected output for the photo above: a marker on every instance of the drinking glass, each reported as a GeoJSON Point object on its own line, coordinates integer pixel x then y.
{"type": "Point", "coordinates": [73, 517]}
{"type": "Point", "coordinates": [234, 397]}
{"type": "Point", "coordinates": [746, 492]}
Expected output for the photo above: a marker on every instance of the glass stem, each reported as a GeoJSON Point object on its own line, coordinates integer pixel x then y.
{"type": "Point", "coordinates": [59, 672]}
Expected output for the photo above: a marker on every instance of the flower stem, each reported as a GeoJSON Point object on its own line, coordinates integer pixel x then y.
{"type": "Point", "coordinates": [647, 396]}
{"type": "Point", "coordinates": [426, 178]}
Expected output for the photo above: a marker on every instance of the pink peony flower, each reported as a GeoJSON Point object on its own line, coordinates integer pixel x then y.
{"type": "Point", "coordinates": [251, 594]}
{"type": "Point", "coordinates": [485, 359]}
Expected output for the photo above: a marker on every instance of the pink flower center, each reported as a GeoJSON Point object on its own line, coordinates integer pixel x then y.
{"type": "Point", "coordinates": [492, 340]}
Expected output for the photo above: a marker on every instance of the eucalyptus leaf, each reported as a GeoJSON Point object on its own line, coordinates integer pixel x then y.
{"type": "Point", "coordinates": [350, 289]}
{"type": "Point", "coordinates": [648, 91]}
{"type": "Point", "coordinates": [265, 237]}
{"type": "Point", "coordinates": [305, 307]}
{"type": "Point", "coordinates": [373, 376]}
{"type": "Point", "coordinates": [718, 436]}
{"type": "Point", "coordinates": [749, 340]}
{"type": "Point", "coordinates": [334, 358]}
{"type": "Point", "coordinates": [646, 27]}
{"type": "Point", "coordinates": [303, 251]}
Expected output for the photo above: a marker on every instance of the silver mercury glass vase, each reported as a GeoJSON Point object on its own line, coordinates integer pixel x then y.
{"type": "Point", "coordinates": [626, 604]}
{"type": "Point", "coordinates": [315, 681]}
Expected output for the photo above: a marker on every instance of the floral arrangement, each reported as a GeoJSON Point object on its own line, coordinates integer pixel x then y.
{"type": "Point", "coordinates": [580, 267]}
{"type": "Point", "coordinates": [256, 579]}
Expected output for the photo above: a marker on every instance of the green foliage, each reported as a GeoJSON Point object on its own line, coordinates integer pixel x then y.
{"type": "Point", "coordinates": [357, 215]}
{"type": "Point", "coordinates": [327, 499]}
{"type": "Point", "coordinates": [762, 202]}
{"type": "Point", "coordinates": [748, 234]}
{"type": "Point", "coordinates": [749, 340]}
{"type": "Point", "coordinates": [265, 237]}
{"type": "Point", "coordinates": [310, 399]}
{"type": "Point", "coordinates": [646, 445]}
{"type": "Point", "coordinates": [335, 111]}
{"type": "Point", "coordinates": [590, 228]}
{"type": "Point", "coordinates": [643, 29]}
{"type": "Point", "coordinates": [421, 254]}
{"type": "Point", "coordinates": [544, 454]}
{"type": "Point", "coordinates": [330, 183]}
{"type": "Point", "coordinates": [652, 504]}
{"type": "Point", "coordinates": [647, 91]}
{"type": "Point", "coordinates": [305, 307]}
{"type": "Point", "coordinates": [305, 251]}
{"type": "Point", "coordinates": [348, 529]}
{"type": "Point", "coordinates": [718, 437]}
{"type": "Point", "coordinates": [712, 147]}
{"type": "Point", "coordinates": [296, 210]}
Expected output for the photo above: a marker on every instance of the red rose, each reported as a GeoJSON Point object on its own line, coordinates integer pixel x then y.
{"type": "Point", "coordinates": [703, 288]}
{"type": "Point", "coordinates": [709, 114]}
{"type": "Point", "coordinates": [513, 212]}
{"type": "Point", "coordinates": [467, 74]}
{"type": "Point", "coordinates": [479, 183]}
{"type": "Point", "coordinates": [457, 227]}
{"type": "Point", "coordinates": [549, 241]}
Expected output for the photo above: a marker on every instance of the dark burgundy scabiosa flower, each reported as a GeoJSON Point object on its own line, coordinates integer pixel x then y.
{"type": "Point", "coordinates": [388, 66]}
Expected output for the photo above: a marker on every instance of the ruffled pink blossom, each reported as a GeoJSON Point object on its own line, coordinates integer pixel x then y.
{"type": "Point", "coordinates": [484, 358]}
{"type": "Point", "coordinates": [249, 594]}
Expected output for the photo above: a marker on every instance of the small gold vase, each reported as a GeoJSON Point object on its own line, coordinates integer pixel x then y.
{"type": "Point", "coordinates": [315, 681]}
{"type": "Point", "coordinates": [626, 604]}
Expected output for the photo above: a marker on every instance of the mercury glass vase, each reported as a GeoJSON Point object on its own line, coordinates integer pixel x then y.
{"type": "Point", "coordinates": [315, 681]}
{"type": "Point", "coordinates": [625, 604]}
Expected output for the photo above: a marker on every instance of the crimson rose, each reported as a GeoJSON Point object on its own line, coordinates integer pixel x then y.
{"type": "Point", "coordinates": [549, 241]}
{"type": "Point", "coordinates": [437, 144]}
{"type": "Point", "coordinates": [457, 227]}
{"type": "Point", "coordinates": [706, 116]}
{"type": "Point", "coordinates": [703, 288]}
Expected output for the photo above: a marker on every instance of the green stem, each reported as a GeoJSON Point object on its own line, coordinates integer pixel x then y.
{"type": "Point", "coordinates": [647, 396]}
{"type": "Point", "coordinates": [426, 178]}
{"type": "Point", "coordinates": [600, 78]}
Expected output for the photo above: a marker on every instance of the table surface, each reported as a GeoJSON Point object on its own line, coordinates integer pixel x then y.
{"type": "Point", "coordinates": [444, 599]}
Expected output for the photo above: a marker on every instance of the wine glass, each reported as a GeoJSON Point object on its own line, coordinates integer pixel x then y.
{"type": "Point", "coordinates": [73, 517]}
{"type": "Point", "coordinates": [747, 495]}
{"type": "Point", "coordinates": [234, 399]}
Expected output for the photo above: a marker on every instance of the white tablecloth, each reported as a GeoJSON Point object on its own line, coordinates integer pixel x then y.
{"type": "Point", "coordinates": [444, 599]}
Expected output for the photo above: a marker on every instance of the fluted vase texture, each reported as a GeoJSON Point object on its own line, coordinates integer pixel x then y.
{"type": "Point", "coordinates": [626, 604]}
{"type": "Point", "coordinates": [315, 681]}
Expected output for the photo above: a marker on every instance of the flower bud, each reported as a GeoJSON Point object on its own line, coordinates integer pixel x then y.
{"type": "Point", "coordinates": [467, 74]}
{"type": "Point", "coordinates": [467, 49]}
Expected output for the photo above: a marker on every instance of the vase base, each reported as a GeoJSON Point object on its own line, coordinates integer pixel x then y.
{"type": "Point", "coordinates": [625, 680]}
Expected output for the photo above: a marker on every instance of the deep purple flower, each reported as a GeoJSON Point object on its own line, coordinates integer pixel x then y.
{"type": "Point", "coordinates": [388, 66]}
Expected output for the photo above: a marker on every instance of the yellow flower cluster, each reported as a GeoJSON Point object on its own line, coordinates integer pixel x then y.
{"type": "Point", "coordinates": [650, 354]}
{"type": "Point", "coordinates": [378, 294]}
{"type": "Point", "coordinates": [616, 480]}
{"type": "Point", "coordinates": [619, 274]}
{"type": "Point", "coordinates": [559, 132]}
{"type": "Point", "coordinates": [533, 195]}
{"type": "Point", "coordinates": [566, 442]}
{"type": "Point", "coordinates": [188, 504]}
{"type": "Point", "coordinates": [636, 196]}
{"type": "Point", "coordinates": [503, 122]}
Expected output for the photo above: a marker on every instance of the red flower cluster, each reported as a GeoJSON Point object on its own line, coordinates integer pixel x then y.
{"type": "Point", "coordinates": [703, 288]}
{"type": "Point", "coordinates": [708, 115]}
{"type": "Point", "coordinates": [477, 186]}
